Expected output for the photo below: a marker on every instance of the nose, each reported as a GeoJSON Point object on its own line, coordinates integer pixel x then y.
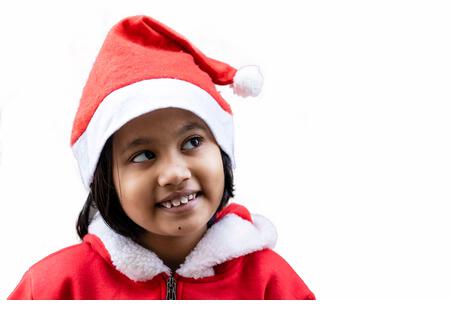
{"type": "Point", "coordinates": [173, 173]}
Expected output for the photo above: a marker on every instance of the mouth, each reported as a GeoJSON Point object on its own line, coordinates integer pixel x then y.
{"type": "Point", "coordinates": [181, 204]}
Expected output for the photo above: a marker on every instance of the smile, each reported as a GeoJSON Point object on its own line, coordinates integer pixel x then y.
{"type": "Point", "coordinates": [180, 204]}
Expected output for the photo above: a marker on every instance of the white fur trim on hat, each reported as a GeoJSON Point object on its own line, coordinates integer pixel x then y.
{"type": "Point", "coordinates": [136, 99]}
{"type": "Point", "coordinates": [229, 238]}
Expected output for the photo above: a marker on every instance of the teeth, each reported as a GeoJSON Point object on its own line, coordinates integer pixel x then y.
{"type": "Point", "coordinates": [178, 202]}
{"type": "Point", "coordinates": [166, 204]}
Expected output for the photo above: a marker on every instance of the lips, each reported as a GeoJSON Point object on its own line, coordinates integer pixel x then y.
{"type": "Point", "coordinates": [179, 201]}
{"type": "Point", "coordinates": [177, 195]}
{"type": "Point", "coordinates": [181, 207]}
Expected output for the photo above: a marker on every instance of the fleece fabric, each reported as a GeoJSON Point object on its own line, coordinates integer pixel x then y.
{"type": "Point", "coordinates": [233, 260]}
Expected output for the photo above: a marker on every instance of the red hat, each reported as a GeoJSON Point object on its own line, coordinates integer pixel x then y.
{"type": "Point", "coordinates": [142, 66]}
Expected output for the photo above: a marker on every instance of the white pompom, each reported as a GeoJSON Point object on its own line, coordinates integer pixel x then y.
{"type": "Point", "coordinates": [247, 81]}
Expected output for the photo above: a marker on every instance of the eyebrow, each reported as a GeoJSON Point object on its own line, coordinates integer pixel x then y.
{"type": "Point", "coordinates": [146, 140]}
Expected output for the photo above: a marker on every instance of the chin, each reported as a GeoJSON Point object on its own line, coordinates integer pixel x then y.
{"type": "Point", "coordinates": [187, 227]}
{"type": "Point", "coordinates": [192, 224]}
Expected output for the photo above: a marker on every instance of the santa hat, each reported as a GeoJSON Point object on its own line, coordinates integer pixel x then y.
{"type": "Point", "coordinates": [143, 66]}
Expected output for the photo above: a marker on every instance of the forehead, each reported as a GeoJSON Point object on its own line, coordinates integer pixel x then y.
{"type": "Point", "coordinates": [159, 124]}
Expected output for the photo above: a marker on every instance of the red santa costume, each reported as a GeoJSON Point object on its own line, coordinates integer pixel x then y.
{"type": "Point", "coordinates": [233, 260]}
{"type": "Point", "coordinates": [143, 66]}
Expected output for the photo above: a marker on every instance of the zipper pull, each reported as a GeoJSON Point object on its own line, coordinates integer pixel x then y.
{"type": "Point", "coordinates": [171, 289]}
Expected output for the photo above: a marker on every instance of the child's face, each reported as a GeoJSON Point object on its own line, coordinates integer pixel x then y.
{"type": "Point", "coordinates": [163, 160]}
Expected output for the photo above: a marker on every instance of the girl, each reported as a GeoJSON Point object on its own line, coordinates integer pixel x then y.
{"type": "Point", "coordinates": [154, 143]}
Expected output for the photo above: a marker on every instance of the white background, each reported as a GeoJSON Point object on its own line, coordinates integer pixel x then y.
{"type": "Point", "coordinates": [346, 150]}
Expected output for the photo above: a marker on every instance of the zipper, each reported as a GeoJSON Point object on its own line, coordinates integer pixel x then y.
{"type": "Point", "coordinates": [171, 289]}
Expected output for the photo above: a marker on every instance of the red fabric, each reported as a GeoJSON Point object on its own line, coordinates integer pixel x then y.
{"type": "Point", "coordinates": [140, 48]}
{"type": "Point", "coordinates": [237, 209]}
{"type": "Point", "coordinates": [85, 271]}
{"type": "Point", "coordinates": [82, 272]}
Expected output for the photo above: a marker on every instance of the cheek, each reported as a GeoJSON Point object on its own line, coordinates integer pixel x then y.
{"type": "Point", "coordinates": [133, 189]}
{"type": "Point", "coordinates": [213, 175]}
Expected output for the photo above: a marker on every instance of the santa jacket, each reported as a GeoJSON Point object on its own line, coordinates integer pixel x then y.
{"type": "Point", "coordinates": [233, 260]}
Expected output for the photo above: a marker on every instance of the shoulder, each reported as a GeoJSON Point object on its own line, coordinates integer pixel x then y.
{"type": "Point", "coordinates": [65, 260]}
{"type": "Point", "coordinates": [281, 280]}
{"type": "Point", "coordinates": [55, 274]}
{"type": "Point", "coordinates": [267, 261]}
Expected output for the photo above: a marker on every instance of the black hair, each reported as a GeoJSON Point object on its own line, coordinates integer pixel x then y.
{"type": "Point", "coordinates": [103, 197]}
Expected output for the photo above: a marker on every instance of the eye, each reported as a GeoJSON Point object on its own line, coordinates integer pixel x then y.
{"type": "Point", "coordinates": [142, 156]}
{"type": "Point", "coordinates": [194, 142]}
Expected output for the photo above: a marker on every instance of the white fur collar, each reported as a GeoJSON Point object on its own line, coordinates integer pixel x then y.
{"type": "Point", "coordinates": [229, 238]}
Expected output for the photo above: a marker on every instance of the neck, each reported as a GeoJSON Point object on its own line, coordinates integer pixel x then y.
{"type": "Point", "coordinates": [172, 250]}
